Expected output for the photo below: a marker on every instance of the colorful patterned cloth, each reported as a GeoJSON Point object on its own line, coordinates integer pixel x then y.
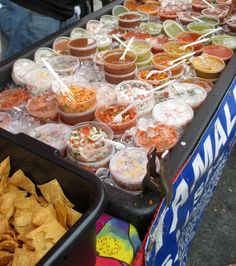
{"type": "Point", "coordinates": [117, 242]}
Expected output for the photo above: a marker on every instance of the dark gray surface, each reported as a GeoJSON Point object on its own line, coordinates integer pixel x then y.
{"type": "Point", "coordinates": [215, 241]}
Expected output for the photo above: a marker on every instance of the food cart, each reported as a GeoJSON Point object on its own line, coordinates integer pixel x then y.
{"type": "Point", "coordinates": [195, 166]}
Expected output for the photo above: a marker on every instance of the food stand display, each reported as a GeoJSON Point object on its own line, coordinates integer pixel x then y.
{"type": "Point", "coordinates": [194, 167]}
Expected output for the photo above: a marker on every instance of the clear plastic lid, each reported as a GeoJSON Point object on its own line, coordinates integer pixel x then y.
{"type": "Point", "coordinates": [20, 68]}
{"type": "Point", "coordinates": [38, 80]}
{"type": "Point", "coordinates": [44, 52]}
{"type": "Point", "coordinates": [190, 93]}
{"type": "Point", "coordinates": [129, 166]}
{"type": "Point", "coordinates": [105, 93]}
{"type": "Point", "coordinates": [173, 112]}
{"type": "Point", "coordinates": [55, 135]}
{"type": "Point", "coordinates": [64, 64]}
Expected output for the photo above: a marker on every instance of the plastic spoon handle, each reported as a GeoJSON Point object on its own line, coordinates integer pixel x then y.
{"type": "Point", "coordinates": [118, 145]}
{"type": "Point", "coordinates": [197, 19]}
{"type": "Point", "coordinates": [211, 6]}
{"type": "Point", "coordinates": [126, 49]}
{"type": "Point", "coordinates": [119, 40]}
{"type": "Point", "coordinates": [180, 58]}
{"type": "Point", "coordinates": [193, 43]}
{"type": "Point", "coordinates": [166, 69]}
{"type": "Point", "coordinates": [160, 87]}
{"type": "Point", "coordinates": [210, 32]}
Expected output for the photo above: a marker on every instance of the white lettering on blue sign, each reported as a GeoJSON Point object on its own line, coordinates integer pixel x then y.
{"type": "Point", "coordinates": [175, 227]}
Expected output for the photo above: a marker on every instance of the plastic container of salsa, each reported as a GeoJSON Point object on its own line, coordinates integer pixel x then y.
{"type": "Point", "coordinates": [60, 45]}
{"type": "Point", "coordinates": [117, 78]}
{"type": "Point", "coordinates": [156, 79]}
{"type": "Point", "coordinates": [5, 120]}
{"type": "Point", "coordinates": [208, 66]}
{"type": "Point", "coordinates": [55, 135]}
{"type": "Point", "coordinates": [138, 34]}
{"type": "Point", "coordinates": [83, 47]}
{"type": "Point", "coordinates": [220, 51]}
{"type": "Point", "coordinates": [43, 107]}
{"type": "Point", "coordinates": [187, 16]}
{"type": "Point", "coordinates": [173, 113]}
{"type": "Point", "coordinates": [85, 143]}
{"type": "Point", "coordinates": [129, 19]}
{"type": "Point", "coordinates": [151, 10]}
{"type": "Point", "coordinates": [168, 14]}
{"type": "Point", "coordinates": [113, 65]}
{"type": "Point", "coordinates": [199, 5]}
{"type": "Point", "coordinates": [177, 48]}
{"type": "Point", "coordinates": [106, 114]}
{"type": "Point", "coordinates": [204, 83]}
{"type": "Point", "coordinates": [128, 168]}
{"type": "Point", "coordinates": [10, 98]}
{"type": "Point", "coordinates": [190, 93]}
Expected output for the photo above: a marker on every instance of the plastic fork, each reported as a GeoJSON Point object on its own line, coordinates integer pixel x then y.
{"type": "Point", "coordinates": [119, 40]}
{"type": "Point", "coordinates": [197, 19]}
{"type": "Point", "coordinates": [166, 69]}
{"type": "Point", "coordinates": [127, 48]}
{"type": "Point", "coordinates": [64, 89]}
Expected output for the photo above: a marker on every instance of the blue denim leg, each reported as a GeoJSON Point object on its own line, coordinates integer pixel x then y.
{"type": "Point", "coordinates": [22, 27]}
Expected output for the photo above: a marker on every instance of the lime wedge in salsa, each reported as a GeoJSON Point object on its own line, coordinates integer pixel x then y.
{"type": "Point", "coordinates": [172, 28]}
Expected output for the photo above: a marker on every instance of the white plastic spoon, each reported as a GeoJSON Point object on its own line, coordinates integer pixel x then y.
{"type": "Point", "coordinates": [127, 49]}
{"type": "Point", "coordinates": [118, 145]}
{"type": "Point", "coordinates": [193, 43]}
{"type": "Point", "coordinates": [119, 40]}
{"type": "Point", "coordinates": [180, 58]}
{"type": "Point", "coordinates": [118, 117]}
{"type": "Point", "coordinates": [211, 6]}
{"type": "Point", "coordinates": [208, 33]}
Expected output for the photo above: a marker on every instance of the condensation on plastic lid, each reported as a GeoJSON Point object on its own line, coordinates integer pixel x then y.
{"type": "Point", "coordinates": [173, 112]}
{"type": "Point", "coordinates": [20, 68]}
{"type": "Point", "coordinates": [55, 135]}
{"type": "Point", "coordinates": [44, 52]}
{"type": "Point", "coordinates": [143, 124]}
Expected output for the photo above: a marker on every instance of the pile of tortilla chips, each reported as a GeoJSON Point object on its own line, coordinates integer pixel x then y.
{"type": "Point", "coordinates": [30, 224]}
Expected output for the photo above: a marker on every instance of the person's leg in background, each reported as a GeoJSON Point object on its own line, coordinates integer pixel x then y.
{"type": "Point", "coordinates": [22, 27]}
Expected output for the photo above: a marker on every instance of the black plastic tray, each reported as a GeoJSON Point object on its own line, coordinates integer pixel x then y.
{"type": "Point", "coordinates": [139, 210]}
{"type": "Point", "coordinates": [77, 246]}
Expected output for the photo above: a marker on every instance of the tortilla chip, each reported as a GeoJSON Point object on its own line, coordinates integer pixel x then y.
{"type": "Point", "coordinates": [11, 233]}
{"type": "Point", "coordinates": [8, 245]}
{"type": "Point", "coordinates": [61, 213]}
{"type": "Point", "coordinates": [22, 217]}
{"type": "Point", "coordinates": [4, 237]}
{"type": "Point", "coordinates": [4, 174]}
{"type": "Point", "coordinates": [44, 215]}
{"type": "Point", "coordinates": [4, 226]}
{"type": "Point", "coordinates": [20, 180]}
{"type": "Point", "coordinates": [72, 216]}
{"type": "Point", "coordinates": [5, 257]}
{"type": "Point", "coordinates": [23, 257]}
{"type": "Point", "coordinates": [6, 204]}
{"type": "Point", "coordinates": [52, 192]}
{"type": "Point", "coordinates": [53, 230]}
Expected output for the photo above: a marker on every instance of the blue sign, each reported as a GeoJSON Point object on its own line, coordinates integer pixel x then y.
{"type": "Point", "coordinates": [175, 226]}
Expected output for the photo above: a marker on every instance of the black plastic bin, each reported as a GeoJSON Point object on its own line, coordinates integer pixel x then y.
{"type": "Point", "coordinates": [77, 246]}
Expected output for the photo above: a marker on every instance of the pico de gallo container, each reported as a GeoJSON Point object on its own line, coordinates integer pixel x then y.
{"type": "Point", "coordinates": [55, 135]}
{"type": "Point", "coordinates": [128, 168]}
{"type": "Point", "coordinates": [113, 65]}
{"type": "Point", "coordinates": [127, 91]}
{"type": "Point", "coordinates": [83, 47]}
{"type": "Point", "coordinates": [173, 112]}
{"type": "Point", "coordinates": [204, 83]}
{"type": "Point", "coordinates": [11, 98]}
{"type": "Point", "coordinates": [156, 79]}
{"type": "Point", "coordinates": [19, 70]}
{"type": "Point", "coordinates": [208, 66]}
{"type": "Point", "coordinates": [106, 114]}
{"type": "Point", "coordinates": [64, 65]}
{"type": "Point", "coordinates": [129, 19]}
{"type": "Point", "coordinates": [85, 143]}
{"type": "Point", "coordinates": [43, 107]}
{"type": "Point", "coordinates": [191, 94]}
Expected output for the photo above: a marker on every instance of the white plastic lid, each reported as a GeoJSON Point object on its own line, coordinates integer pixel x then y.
{"type": "Point", "coordinates": [173, 112]}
